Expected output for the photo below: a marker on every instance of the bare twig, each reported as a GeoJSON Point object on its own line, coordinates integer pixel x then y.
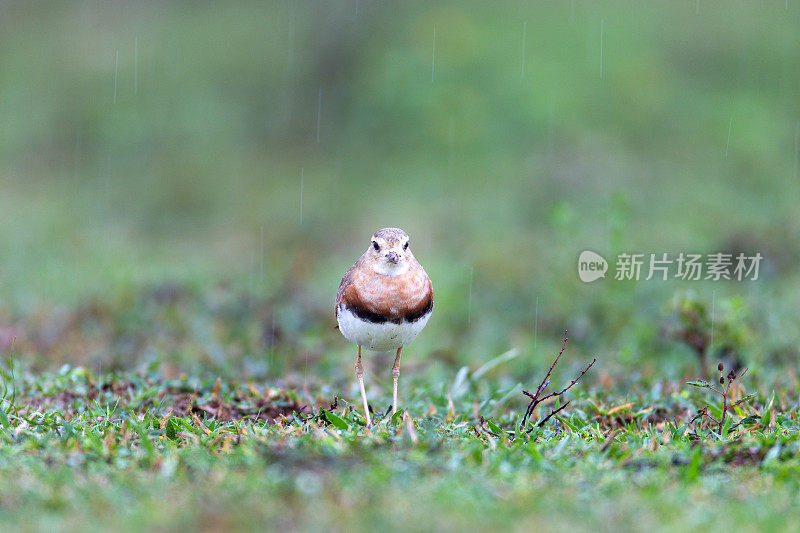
{"type": "Point", "coordinates": [545, 419]}
{"type": "Point", "coordinates": [537, 398]}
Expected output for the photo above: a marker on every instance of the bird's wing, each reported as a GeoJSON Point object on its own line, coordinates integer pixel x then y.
{"type": "Point", "coordinates": [423, 306]}
{"type": "Point", "coordinates": [347, 281]}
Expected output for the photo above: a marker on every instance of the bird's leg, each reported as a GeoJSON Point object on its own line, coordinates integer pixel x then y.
{"type": "Point", "coordinates": [395, 377]}
{"type": "Point", "coordinates": [360, 378]}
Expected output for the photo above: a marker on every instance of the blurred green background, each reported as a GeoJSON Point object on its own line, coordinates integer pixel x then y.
{"type": "Point", "coordinates": [187, 183]}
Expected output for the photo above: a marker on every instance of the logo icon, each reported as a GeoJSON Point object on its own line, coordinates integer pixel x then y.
{"type": "Point", "coordinates": [591, 266]}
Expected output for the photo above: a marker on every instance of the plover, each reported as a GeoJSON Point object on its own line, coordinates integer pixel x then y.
{"type": "Point", "coordinates": [383, 302]}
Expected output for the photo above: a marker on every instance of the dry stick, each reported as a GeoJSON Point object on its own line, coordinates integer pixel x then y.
{"type": "Point", "coordinates": [559, 393]}
{"type": "Point", "coordinates": [545, 419]}
{"type": "Point", "coordinates": [536, 399]}
{"type": "Point", "coordinates": [545, 382]}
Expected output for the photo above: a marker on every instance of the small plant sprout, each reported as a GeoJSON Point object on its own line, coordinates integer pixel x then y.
{"type": "Point", "coordinates": [537, 398]}
{"type": "Point", "coordinates": [724, 390]}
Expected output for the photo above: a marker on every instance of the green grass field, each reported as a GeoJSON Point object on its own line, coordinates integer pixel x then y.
{"type": "Point", "coordinates": [138, 450]}
{"type": "Point", "coordinates": [182, 188]}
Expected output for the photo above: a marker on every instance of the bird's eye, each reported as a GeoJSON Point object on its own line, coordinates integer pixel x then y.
{"type": "Point", "coordinates": [405, 246]}
{"type": "Point", "coordinates": [376, 246]}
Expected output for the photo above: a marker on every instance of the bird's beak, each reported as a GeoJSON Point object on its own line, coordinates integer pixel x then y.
{"type": "Point", "coordinates": [393, 257]}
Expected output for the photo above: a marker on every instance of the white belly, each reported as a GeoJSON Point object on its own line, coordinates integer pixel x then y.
{"type": "Point", "coordinates": [378, 336]}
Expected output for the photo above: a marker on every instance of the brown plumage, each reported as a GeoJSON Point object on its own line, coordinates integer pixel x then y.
{"type": "Point", "coordinates": [385, 298]}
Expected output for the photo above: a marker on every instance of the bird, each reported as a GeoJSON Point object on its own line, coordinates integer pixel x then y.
{"type": "Point", "coordinates": [384, 301]}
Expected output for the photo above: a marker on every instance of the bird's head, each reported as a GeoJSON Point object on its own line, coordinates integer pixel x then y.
{"type": "Point", "coordinates": [388, 252]}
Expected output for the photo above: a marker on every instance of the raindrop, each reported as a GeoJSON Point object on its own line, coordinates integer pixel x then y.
{"type": "Point", "coordinates": [302, 177]}
{"type": "Point", "coordinates": [452, 138]}
{"type": "Point", "coordinates": [433, 58]}
{"type": "Point", "coordinates": [261, 266]}
{"type": "Point", "coordinates": [796, 148]}
{"type": "Point", "coordinates": [77, 158]}
{"type": "Point", "coordinates": [272, 339]}
{"type": "Point", "coordinates": [290, 48]}
{"type": "Point", "coordinates": [602, 24]}
{"type": "Point", "coordinates": [252, 275]}
{"type": "Point", "coordinates": [469, 299]}
{"type": "Point", "coordinates": [116, 68]}
{"type": "Point", "coordinates": [728, 143]}
{"type": "Point", "coordinates": [135, 65]}
{"type": "Point", "coordinates": [524, 28]}
{"type": "Point", "coordinates": [713, 308]}
{"type": "Point", "coordinates": [319, 111]}
{"type": "Point", "coordinates": [305, 373]}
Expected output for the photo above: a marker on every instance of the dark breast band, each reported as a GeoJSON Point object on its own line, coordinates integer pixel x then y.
{"type": "Point", "coordinates": [377, 318]}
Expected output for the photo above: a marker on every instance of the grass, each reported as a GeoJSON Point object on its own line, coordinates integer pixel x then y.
{"type": "Point", "coordinates": [139, 450]}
